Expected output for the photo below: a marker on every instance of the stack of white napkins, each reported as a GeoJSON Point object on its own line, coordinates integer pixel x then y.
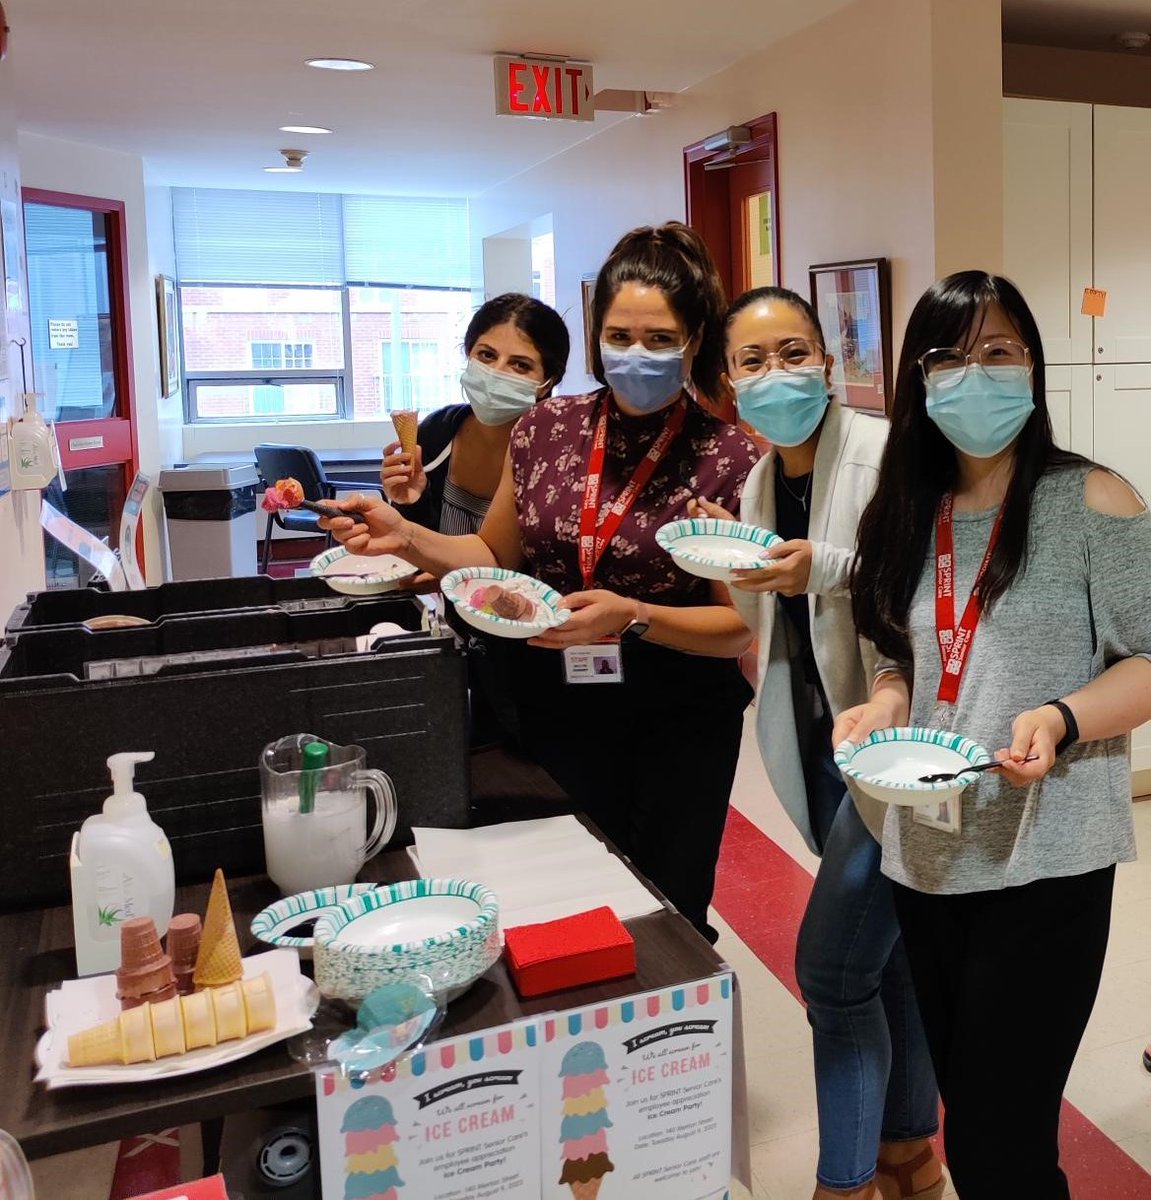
{"type": "Point", "coordinates": [540, 870]}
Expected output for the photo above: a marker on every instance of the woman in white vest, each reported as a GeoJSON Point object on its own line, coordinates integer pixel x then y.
{"type": "Point", "coordinates": [874, 1083]}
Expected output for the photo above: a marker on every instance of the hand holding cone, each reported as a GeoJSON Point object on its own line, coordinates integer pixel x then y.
{"type": "Point", "coordinates": [407, 424]}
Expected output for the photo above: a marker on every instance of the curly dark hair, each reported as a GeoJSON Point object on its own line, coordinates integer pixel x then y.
{"type": "Point", "coordinates": [537, 321]}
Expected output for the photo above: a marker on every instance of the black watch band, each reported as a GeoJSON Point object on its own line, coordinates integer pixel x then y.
{"type": "Point", "coordinates": [1072, 734]}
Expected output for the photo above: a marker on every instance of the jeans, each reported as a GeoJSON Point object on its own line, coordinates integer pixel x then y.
{"type": "Point", "coordinates": [1006, 981]}
{"type": "Point", "coordinates": [873, 1073]}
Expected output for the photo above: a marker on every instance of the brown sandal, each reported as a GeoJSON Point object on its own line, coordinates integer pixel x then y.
{"type": "Point", "coordinates": [896, 1181]}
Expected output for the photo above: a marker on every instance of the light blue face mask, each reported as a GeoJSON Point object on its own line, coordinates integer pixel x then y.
{"type": "Point", "coordinates": [785, 406]}
{"type": "Point", "coordinates": [495, 396]}
{"type": "Point", "coordinates": [646, 380]}
{"type": "Point", "coordinates": [980, 412]}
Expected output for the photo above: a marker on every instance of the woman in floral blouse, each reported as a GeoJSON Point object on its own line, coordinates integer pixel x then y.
{"type": "Point", "coordinates": [648, 751]}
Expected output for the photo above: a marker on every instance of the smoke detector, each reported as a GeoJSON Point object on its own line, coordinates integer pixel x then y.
{"type": "Point", "coordinates": [293, 163]}
{"type": "Point", "coordinates": [1134, 40]}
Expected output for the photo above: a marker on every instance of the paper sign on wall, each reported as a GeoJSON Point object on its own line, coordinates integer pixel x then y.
{"type": "Point", "coordinates": [458, 1120]}
{"type": "Point", "coordinates": [1094, 302]}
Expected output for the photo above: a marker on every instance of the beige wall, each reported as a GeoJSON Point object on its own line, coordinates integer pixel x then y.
{"type": "Point", "coordinates": [1090, 76]}
{"type": "Point", "coordinates": [93, 171]}
{"type": "Point", "coordinates": [860, 114]}
{"type": "Point", "coordinates": [21, 543]}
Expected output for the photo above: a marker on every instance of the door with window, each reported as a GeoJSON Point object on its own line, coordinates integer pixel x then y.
{"type": "Point", "coordinates": [732, 184]}
{"type": "Point", "coordinates": [81, 355]}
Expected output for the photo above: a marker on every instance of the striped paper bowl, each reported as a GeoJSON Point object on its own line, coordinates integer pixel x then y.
{"type": "Point", "coordinates": [888, 763]}
{"type": "Point", "coordinates": [714, 549]}
{"type": "Point", "coordinates": [459, 585]}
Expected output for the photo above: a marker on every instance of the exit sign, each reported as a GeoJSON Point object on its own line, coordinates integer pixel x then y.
{"type": "Point", "coordinates": [544, 87]}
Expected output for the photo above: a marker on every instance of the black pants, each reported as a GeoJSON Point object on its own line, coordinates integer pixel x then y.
{"type": "Point", "coordinates": [651, 761]}
{"type": "Point", "coordinates": [1006, 981]}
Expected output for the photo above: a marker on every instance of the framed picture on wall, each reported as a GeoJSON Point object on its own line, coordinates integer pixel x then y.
{"type": "Point", "coordinates": [853, 300]}
{"type": "Point", "coordinates": [169, 335]}
{"type": "Point", "coordinates": [587, 294]}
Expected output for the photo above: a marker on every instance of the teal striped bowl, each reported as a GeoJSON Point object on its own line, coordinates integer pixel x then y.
{"type": "Point", "coordinates": [445, 930]}
{"type": "Point", "coordinates": [888, 763]}
{"type": "Point", "coordinates": [459, 585]}
{"type": "Point", "coordinates": [275, 923]}
{"type": "Point", "coordinates": [715, 549]}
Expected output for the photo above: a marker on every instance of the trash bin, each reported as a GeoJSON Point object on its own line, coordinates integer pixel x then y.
{"type": "Point", "coordinates": [211, 517]}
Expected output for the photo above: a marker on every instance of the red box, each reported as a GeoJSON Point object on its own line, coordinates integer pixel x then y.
{"type": "Point", "coordinates": [587, 948]}
{"type": "Point", "coordinates": [211, 1188]}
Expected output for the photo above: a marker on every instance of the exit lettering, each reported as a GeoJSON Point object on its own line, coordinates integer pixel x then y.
{"type": "Point", "coordinates": [527, 87]}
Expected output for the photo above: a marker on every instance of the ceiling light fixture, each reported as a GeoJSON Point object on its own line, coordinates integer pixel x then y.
{"type": "Point", "coordinates": [1134, 40]}
{"type": "Point", "coordinates": [341, 64]}
{"type": "Point", "coordinates": [293, 163]}
{"type": "Point", "coordinates": [303, 129]}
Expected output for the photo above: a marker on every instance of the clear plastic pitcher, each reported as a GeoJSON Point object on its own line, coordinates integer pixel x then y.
{"type": "Point", "coordinates": [316, 818]}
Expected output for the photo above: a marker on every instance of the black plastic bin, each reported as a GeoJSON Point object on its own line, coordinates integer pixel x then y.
{"type": "Point", "coordinates": [268, 674]}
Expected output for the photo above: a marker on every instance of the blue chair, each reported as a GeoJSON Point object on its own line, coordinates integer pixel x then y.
{"type": "Point", "coordinates": [275, 462]}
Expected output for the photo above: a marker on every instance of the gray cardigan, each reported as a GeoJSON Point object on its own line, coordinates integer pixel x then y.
{"type": "Point", "coordinates": [846, 469]}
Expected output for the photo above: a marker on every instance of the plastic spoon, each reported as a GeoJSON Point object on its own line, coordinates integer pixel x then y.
{"type": "Point", "coordinates": [948, 776]}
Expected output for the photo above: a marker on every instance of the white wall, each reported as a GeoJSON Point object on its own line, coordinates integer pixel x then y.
{"type": "Point", "coordinates": [93, 171]}
{"type": "Point", "coordinates": [864, 129]}
{"type": "Point", "coordinates": [21, 543]}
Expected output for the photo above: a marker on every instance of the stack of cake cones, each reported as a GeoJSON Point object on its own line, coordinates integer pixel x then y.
{"type": "Point", "coordinates": [145, 974]}
{"type": "Point", "coordinates": [218, 961]}
{"type": "Point", "coordinates": [184, 933]}
{"type": "Point", "coordinates": [173, 1026]}
{"type": "Point", "coordinates": [406, 422]}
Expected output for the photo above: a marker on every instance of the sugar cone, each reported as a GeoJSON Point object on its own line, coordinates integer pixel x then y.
{"type": "Point", "coordinates": [100, 1044]}
{"type": "Point", "coordinates": [586, 1191]}
{"type": "Point", "coordinates": [406, 423]}
{"type": "Point", "coordinates": [218, 962]}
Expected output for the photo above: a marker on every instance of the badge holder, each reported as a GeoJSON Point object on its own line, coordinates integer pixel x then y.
{"type": "Point", "coordinates": [601, 662]}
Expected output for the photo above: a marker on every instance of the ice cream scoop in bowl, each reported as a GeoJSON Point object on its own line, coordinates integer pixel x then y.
{"type": "Point", "coordinates": [502, 602]}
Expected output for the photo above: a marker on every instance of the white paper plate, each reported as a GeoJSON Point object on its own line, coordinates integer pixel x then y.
{"type": "Point", "coordinates": [713, 549]}
{"type": "Point", "coordinates": [82, 1003]}
{"type": "Point", "coordinates": [459, 585]}
{"type": "Point", "coordinates": [361, 574]}
{"type": "Point", "coordinates": [273, 924]}
{"type": "Point", "coordinates": [887, 765]}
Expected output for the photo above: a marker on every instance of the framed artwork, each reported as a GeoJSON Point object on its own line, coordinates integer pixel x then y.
{"type": "Point", "coordinates": [587, 293]}
{"type": "Point", "coordinates": [169, 335]}
{"type": "Point", "coordinates": [853, 300]}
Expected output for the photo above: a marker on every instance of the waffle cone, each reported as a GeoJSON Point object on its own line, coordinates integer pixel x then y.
{"type": "Point", "coordinates": [218, 962]}
{"type": "Point", "coordinates": [407, 424]}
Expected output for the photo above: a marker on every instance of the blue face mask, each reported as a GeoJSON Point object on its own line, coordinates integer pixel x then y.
{"type": "Point", "coordinates": [646, 380]}
{"type": "Point", "coordinates": [982, 412]}
{"type": "Point", "coordinates": [785, 406]}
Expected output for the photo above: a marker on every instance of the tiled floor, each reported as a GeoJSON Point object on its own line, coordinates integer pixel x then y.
{"type": "Point", "coordinates": [1108, 1085]}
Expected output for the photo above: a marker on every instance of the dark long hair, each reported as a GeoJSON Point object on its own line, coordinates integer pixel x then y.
{"type": "Point", "coordinates": [538, 322]}
{"type": "Point", "coordinates": [919, 464]}
{"type": "Point", "coordinates": [675, 259]}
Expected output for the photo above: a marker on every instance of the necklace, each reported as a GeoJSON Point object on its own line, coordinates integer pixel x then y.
{"type": "Point", "coordinates": [803, 497]}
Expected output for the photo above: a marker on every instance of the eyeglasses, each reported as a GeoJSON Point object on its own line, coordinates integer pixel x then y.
{"type": "Point", "coordinates": [947, 367]}
{"type": "Point", "coordinates": [793, 355]}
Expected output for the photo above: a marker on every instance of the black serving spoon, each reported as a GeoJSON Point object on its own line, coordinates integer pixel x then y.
{"type": "Point", "coordinates": [948, 776]}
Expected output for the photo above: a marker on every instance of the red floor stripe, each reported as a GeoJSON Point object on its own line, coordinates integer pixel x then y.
{"type": "Point", "coordinates": [761, 892]}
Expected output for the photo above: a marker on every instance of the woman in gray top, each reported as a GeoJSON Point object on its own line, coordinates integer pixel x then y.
{"type": "Point", "coordinates": [1027, 571]}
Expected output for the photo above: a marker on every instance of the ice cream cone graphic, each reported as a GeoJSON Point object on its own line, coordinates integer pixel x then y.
{"type": "Point", "coordinates": [371, 1169]}
{"type": "Point", "coordinates": [583, 1130]}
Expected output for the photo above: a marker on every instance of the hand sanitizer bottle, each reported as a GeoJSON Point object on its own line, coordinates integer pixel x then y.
{"type": "Point", "coordinates": [121, 867]}
{"type": "Point", "coordinates": [34, 456]}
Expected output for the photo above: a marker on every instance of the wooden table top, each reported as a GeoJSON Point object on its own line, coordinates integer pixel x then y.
{"type": "Point", "coordinates": [36, 955]}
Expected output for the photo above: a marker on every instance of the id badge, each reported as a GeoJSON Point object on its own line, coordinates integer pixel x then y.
{"type": "Point", "coordinates": [601, 662]}
{"type": "Point", "coordinates": [944, 815]}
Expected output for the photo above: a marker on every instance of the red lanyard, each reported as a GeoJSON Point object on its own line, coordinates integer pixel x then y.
{"type": "Point", "coordinates": [955, 643]}
{"type": "Point", "coordinates": [594, 537]}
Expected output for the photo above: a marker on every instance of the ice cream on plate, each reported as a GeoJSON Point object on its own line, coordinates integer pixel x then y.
{"type": "Point", "coordinates": [498, 601]}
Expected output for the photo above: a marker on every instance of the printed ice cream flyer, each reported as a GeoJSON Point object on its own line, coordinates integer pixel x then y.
{"type": "Point", "coordinates": [458, 1120]}
{"type": "Point", "coordinates": [636, 1096]}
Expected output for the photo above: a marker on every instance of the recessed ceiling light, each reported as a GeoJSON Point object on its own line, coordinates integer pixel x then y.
{"type": "Point", "coordinates": [340, 64]}
{"type": "Point", "coordinates": [283, 170]}
{"type": "Point", "coordinates": [303, 129]}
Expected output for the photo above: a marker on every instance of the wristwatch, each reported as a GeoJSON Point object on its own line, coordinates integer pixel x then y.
{"type": "Point", "coordinates": [638, 625]}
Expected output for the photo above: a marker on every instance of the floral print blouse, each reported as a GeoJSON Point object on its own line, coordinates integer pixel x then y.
{"type": "Point", "coordinates": [550, 449]}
